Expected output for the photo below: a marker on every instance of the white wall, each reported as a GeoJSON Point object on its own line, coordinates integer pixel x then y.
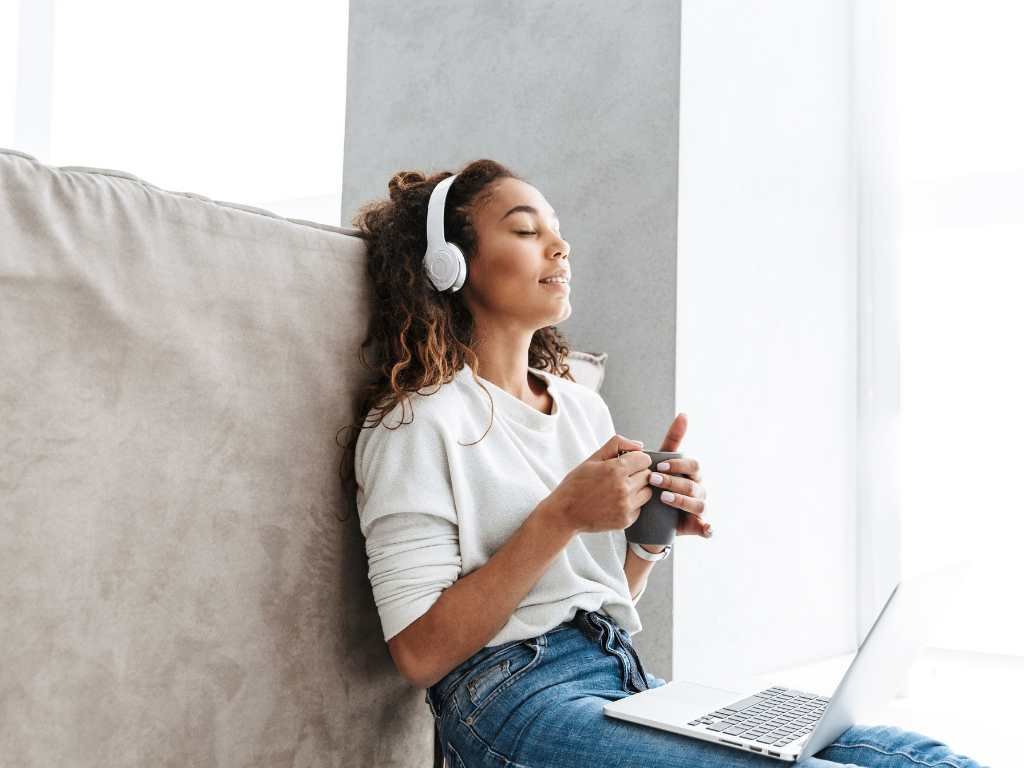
{"type": "Point", "coordinates": [768, 358]}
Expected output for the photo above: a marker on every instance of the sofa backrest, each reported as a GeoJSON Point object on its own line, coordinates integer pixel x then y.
{"type": "Point", "coordinates": [177, 584]}
{"type": "Point", "coordinates": [182, 579]}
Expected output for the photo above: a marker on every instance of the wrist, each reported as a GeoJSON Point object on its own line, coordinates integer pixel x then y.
{"type": "Point", "coordinates": [654, 549]}
{"type": "Point", "coordinates": [555, 517]}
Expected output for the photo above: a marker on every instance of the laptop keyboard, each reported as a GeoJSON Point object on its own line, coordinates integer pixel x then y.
{"type": "Point", "coordinates": [776, 716]}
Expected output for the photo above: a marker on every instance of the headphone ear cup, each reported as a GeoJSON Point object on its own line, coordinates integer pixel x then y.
{"type": "Point", "coordinates": [440, 267]}
{"type": "Point", "coordinates": [461, 261]}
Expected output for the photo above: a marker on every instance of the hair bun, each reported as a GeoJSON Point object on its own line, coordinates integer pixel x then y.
{"type": "Point", "coordinates": [402, 181]}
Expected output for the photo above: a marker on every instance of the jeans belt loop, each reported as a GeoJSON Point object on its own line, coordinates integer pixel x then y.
{"type": "Point", "coordinates": [430, 703]}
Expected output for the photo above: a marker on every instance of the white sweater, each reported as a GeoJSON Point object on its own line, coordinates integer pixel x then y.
{"type": "Point", "coordinates": [432, 510]}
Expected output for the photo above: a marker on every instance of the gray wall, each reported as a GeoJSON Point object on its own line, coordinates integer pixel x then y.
{"type": "Point", "coordinates": [581, 99]}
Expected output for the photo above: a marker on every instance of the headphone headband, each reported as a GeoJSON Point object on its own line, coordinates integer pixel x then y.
{"type": "Point", "coordinates": [444, 262]}
{"type": "Point", "coordinates": [435, 212]}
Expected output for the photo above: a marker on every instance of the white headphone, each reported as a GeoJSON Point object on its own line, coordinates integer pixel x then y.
{"type": "Point", "coordinates": [445, 264]}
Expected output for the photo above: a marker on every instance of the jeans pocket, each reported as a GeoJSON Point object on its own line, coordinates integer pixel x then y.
{"type": "Point", "coordinates": [498, 673]}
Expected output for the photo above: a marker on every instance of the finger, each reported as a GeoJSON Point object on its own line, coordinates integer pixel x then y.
{"type": "Point", "coordinates": [693, 525]}
{"type": "Point", "coordinates": [682, 466]}
{"type": "Point", "coordinates": [681, 485]}
{"type": "Point", "coordinates": [687, 503]}
{"type": "Point", "coordinates": [689, 529]}
{"type": "Point", "coordinates": [637, 481]}
{"type": "Point", "coordinates": [634, 461]}
{"type": "Point", "coordinates": [676, 432]}
{"type": "Point", "coordinates": [616, 446]}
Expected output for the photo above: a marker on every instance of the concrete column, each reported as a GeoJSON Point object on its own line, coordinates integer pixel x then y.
{"type": "Point", "coordinates": [581, 98]}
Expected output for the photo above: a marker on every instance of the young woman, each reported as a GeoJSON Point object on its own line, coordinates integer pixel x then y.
{"type": "Point", "coordinates": [494, 515]}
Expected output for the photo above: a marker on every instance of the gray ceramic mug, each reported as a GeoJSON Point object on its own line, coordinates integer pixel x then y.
{"type": "Point", "coordinates": [657, 522]}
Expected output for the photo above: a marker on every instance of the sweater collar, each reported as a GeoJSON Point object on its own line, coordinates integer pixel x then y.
{"type": "Point", "coordinates": [515, 409]}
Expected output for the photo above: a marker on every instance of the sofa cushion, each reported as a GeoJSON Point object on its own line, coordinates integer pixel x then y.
{"type": "Point", "coordinates": [587, 367]}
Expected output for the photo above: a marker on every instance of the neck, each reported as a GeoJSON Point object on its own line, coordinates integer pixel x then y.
{"type": "Point", "coordinates": [505, 365]}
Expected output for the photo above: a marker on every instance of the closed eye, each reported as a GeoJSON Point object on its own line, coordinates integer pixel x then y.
{"type": "Point", "coordinates": [519, 232]}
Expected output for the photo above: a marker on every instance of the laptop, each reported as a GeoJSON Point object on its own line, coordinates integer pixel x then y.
{"type": "Point", "coordinates": [790, 724]}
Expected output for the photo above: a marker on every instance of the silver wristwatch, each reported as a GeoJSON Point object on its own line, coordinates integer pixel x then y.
{"type": "Point", "coordinates": [643, 553]}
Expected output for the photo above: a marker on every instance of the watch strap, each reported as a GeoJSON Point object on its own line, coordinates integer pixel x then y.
{"type": "Point", "coordinates": [650, 556]}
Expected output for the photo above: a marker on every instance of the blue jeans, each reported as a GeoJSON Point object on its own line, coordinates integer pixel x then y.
{"type": "Point", "coordinates": [538, 703]}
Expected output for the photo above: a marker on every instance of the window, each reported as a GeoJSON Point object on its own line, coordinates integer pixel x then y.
{"type": "Point", "coordinates": [960, 238]}
{"type": "Point", "coordinates": [9, 18]}
{"type": "Point", "coordinates": [236, 101]}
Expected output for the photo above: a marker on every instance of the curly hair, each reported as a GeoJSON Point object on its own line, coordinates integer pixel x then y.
{"type": "Point", "coordinates": [420, 336]}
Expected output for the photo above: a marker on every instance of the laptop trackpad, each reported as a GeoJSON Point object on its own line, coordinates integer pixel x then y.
{"type": "Point", "coordinates": [677, 702]}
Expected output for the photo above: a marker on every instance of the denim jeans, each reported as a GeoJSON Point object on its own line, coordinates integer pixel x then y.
{"type": "Point", "coordinates": [538, 703]}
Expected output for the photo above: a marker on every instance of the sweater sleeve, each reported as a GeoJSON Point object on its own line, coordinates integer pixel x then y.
{"type": "Point", "coordinates": [407, 515]}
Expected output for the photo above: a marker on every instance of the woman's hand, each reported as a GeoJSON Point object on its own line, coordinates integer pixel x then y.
{"type": "Point", "coordinates": [606, 491]}
{"type": "Point", "coordinates": [688, 494]}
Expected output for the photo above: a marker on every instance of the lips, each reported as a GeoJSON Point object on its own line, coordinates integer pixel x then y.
{"type": "Point", "coordinates": [563, 273]}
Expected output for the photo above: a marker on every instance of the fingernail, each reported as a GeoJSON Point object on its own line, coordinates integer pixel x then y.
{"type": "Point", "coordinates": [708, 533]}
{"type": "Point", "coordinates": [656, 478]}
{"type": "Point", "coordinates": [664, 466]}
{"type": "Point", "coordinates": [667, 496]}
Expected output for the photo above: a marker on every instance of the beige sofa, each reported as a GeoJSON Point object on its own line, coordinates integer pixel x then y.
{"type": "Point", "coordinates": [182, 580]}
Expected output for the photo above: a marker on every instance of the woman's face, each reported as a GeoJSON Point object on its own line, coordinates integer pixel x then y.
{"type": "Point", "coordinates": [516, 249]}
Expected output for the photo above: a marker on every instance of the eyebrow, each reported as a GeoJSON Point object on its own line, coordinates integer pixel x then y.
{"type": "Point", "coordinates": [525, 209]}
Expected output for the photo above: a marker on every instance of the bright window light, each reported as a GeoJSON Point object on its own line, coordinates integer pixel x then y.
{"type": "Point", "coordinates": [238, 101]}
{"type": "Point", "coordinates": [8, 70]}
{"type": "Point", "coordinates": [957, 82]}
